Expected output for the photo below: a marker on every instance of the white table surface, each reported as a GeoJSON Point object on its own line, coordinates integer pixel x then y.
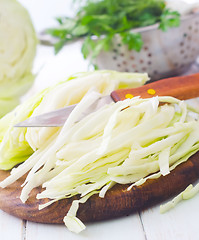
{"type": "Point", "coordinates": [179, 223]}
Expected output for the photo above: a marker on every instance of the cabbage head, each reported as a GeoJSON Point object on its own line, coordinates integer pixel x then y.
{"type": "Point", "coordinates": [18, 43]}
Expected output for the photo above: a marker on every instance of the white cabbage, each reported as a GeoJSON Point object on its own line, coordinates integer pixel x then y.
{"type": "Point", "coordinates": [17, 51]}
{"type": "Point", "coordinates": [17, 144]}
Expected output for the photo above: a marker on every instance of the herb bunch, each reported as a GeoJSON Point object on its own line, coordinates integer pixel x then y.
{"type": "Point", "coordinates": [105, 18]}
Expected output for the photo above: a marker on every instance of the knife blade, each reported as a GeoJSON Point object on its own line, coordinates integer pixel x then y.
{"type": "Point", "coordinates": [58, 117]}
{"type": "Point", "coordinates": [182, 87]}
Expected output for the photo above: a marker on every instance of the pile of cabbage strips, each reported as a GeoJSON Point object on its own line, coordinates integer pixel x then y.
{"type": "Point", "coordinates": [18, 44]}
{"type": "Point", "coordinates": [126, 142]}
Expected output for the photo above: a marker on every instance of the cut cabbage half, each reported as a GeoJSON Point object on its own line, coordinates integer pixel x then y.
{"type": "Point", "coordinates": [17, 144]}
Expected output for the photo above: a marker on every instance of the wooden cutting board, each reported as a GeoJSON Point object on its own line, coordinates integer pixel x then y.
{"type": "Point", "coordinates": [118, 201]}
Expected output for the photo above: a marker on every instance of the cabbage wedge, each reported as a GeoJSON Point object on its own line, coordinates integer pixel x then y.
{"type": "Point", "coordinates": [17, 144]}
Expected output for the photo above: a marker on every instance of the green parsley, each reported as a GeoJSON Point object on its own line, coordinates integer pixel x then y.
{"type": "Point", "coordinates": [98, 21]}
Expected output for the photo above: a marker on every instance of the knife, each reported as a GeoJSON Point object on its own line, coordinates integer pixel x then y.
{"type": "Point", "coordinates": [182, 87]}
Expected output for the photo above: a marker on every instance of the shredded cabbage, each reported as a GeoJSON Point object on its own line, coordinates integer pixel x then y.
{"type": "Point", "coordinates": [122, 142]}
{"type": "Point", "coordinates": [188, 193]}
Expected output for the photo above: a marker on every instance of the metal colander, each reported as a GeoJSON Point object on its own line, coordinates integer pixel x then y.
{"type": "Point", "coordinates": [163, 54]}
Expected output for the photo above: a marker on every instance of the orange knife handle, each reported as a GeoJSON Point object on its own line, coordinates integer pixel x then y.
{"type": "Point", "coordinates": [182, 87]}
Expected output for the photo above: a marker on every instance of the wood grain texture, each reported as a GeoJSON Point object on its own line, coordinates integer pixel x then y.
{"type": "Point", "coordinates": [182, 87]}
{"type": "Point", "coordinates": [117, 202]}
